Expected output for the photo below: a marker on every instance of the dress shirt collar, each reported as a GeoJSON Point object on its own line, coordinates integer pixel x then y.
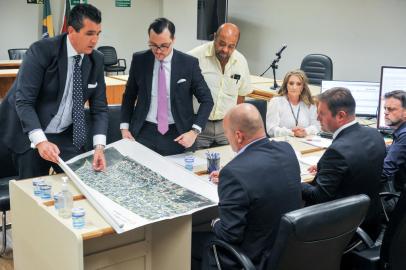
{"type": "Point", "coordinates": [212, 53]}
{"type": "Point", "coordinates": [167, 60]}
{"type": "Point", "coordinates": [401, 129]}
{"type": "Point", "coordinates": [246, 146]}
{"type": "Point", "coordinates": [71, 51]}
{"type": "Point", "coordinates": [343, 127]}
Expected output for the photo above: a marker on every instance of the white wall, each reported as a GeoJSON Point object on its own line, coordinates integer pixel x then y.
{"type": "Point", "coordinates": [359, 35]}
{"type": "Point", "coordinates": [123, 28]}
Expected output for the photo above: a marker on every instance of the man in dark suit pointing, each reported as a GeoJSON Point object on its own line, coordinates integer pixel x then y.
{"type": "Point", "coordinates": [44, 109]}
{"type": "Point", "coordinates": [255, 189]}
{"type": "Point", "coordinates": [162, 82]}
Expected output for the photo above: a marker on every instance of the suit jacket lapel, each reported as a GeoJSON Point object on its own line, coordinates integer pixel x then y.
{"type": "Point", "coordinates": [174, 75]}
{"type": "Point", "coordinates": [62, 67]}
{"type": "Point", "coordinates": [148, 75]}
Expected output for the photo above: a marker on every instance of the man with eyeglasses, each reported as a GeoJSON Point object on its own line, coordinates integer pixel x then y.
{"type": "Point", "coordinates": [227, 75]}
{"type": "Point", "coordinates": [394, 166]}
{"type": "Point", "coordinates": [162, 83]}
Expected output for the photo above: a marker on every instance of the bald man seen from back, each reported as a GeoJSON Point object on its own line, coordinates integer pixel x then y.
{"type": "Point", "coordinates": [255, 189]}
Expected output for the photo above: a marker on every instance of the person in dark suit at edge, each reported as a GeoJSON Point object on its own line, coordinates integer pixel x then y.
{"type": "Point", "coordinates": [42, 116]}
{"type": "Point", "coordinates": [352, 164]}
{"type": "Point", "coordinates": [162, 82]}
{"type": "Point", "coordinates": [255, 189]}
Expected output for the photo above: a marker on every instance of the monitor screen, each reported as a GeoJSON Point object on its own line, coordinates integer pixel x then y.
{"type": "Point", "coordinates": [392, 78]}
{"type": "Point", "coordinates": [366, 95]}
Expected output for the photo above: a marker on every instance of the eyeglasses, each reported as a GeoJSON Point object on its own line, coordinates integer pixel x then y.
{"type": "Point", "coordinates": [162, 47]}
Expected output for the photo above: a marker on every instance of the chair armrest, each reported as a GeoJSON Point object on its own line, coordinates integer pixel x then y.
{"type": "Point", "coordinates": [240, 257]}
{"type": "Point", "coordinates": [366, 239]}
{"type": "Point", "coordinates": [388, 195]}
{"type": "Point", "coordinates": [123, 60]}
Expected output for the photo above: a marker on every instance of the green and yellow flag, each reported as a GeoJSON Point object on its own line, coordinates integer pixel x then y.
{"type": "Point", "coordinates": [47, 24]}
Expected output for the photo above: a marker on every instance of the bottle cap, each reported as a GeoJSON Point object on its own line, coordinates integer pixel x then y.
{"type": "Point", "coordinates": [78, 212]}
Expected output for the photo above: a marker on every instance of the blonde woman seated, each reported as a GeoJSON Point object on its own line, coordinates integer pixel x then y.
{"type": "Point", "coordinates": [294, 112]}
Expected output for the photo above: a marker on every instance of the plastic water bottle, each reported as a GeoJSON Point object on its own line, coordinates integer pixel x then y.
{"type": "Point", "coordinates": [78, 218]}
{"type": "Point", "coordinates": [65, 200]}
{"type": "Point", "coordinates": [189, 160]}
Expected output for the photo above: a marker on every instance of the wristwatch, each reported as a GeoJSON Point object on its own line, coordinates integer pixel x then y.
{"type": "Point", "coordinates": [197, 131]}
{"type": "Point", "coordinates": [99, 147]}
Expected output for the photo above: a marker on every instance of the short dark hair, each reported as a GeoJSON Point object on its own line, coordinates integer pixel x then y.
{"type": "Point", "coordinates": [81, 12]}
{"type": "Point", "coordinates": [160, 24]}
{"type": "Point", "coordinates": [338, 98]}
{"type": "Point", "coordinates": [399, 95]}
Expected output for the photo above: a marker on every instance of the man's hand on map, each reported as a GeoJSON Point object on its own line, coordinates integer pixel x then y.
{"type": "Point", "coordinates": [127, 134]}
{"type": "Point", "coordinates": [99, 161]}
{"type": "Point", "coordinates": [48, 151]}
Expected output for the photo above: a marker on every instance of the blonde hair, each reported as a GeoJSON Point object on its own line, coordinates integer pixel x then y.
{"type": "Point", "coordinates": [305, 96]}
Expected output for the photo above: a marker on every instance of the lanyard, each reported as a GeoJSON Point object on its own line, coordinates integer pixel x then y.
{"type": "Point", "coordinates": [297, 115]}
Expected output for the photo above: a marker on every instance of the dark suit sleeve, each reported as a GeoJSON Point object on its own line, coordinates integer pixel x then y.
{"type": "Point", "coordinates": [98, 104]}
{"type": "Point", "coordinates": [233, 209]}
{"type": "Point", "coordinates": [29, 83]}
{"type": "Point", "coordinates": [130, 94]}
{"type": "Point", "coordinates": [332, 168]}
{"type": "Point", "coordinates": [203, 95]}
{"type": "Point", "coordinates": [395, 158]}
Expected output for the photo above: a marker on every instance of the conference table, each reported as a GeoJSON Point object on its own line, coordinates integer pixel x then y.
{"type": "Point", "coordinates": [114, 88]}
{"type": "Point", "coordinates": [44, 240]}
{"type": "Point", "coordinates": [7, 64]}
{"type": "Point", "coordinates": [261, 87]}
{"type": "Point", "coordinates": [7, 78]}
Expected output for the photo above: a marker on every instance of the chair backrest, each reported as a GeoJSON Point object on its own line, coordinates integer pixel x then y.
{"type": "Point", "coordinates": [16, 54]}
{"type": "Point", "coordinates": [261, 105]}
{"type": "Point", "coordinates": [113, 131]}
{"type": "Point", "coordinates": [394, 241]}
{"type": "Point", "coordinates": [315, 237]}
{"type": "Point", "coordinates": [110, 55]}
{"type": "Point", "coordinates": [6, 164]}
{"type": "Point", "coordinates": [317, 67]}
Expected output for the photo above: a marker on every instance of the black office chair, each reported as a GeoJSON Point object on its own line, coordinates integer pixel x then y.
{"type": "Point", "coordinates": [111, 63]}
{"type": "Point", "coordinates": [16, 54]}
{"type": "Point", "coordinates": [317, 67]}
{"type": "Point", "coordinates": [7, 173]}
{"type": "Point", "coordinates": [391, 253]}
{"type": "Point", "coordinates": [113, 131]}
{"type": "Point", "coordinates": [312, 238]}
{"type": "Point", "coordinates": [261, 105]}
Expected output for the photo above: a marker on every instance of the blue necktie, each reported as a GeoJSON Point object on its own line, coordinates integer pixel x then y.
{"type": "Point", "coordinates": [78, 111]}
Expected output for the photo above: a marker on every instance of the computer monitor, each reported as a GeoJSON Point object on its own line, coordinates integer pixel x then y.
{"type": "Point", "coordinates": [392, 78]}
{"type": "Point", "coordinates": [366, 95]}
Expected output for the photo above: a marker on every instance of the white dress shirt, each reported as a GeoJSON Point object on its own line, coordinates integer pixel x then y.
{"type": "Point", "coordinates": [280, 119]}
{"type": "Point", "coordinates": [63, 119]}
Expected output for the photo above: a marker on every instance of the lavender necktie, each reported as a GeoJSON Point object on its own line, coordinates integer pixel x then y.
{"type": "Point", "coordinates": [162, 115]}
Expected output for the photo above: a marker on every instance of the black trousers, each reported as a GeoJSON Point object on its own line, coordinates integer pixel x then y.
{"type": "Point", "coordinates": [30, 164]}
{"type": "Point", "coordinates": [162, 144]}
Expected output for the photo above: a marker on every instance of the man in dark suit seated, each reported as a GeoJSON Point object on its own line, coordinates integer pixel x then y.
{"type": "Point", "coordinates": [44, 108]}
{"type": "Point", "coordinates": [394, 166]}
{"type": "Point", "coordinates": [162, 82]}
{"type": "Point", "coordinates": [353, 162]}
{"type": "Point", "coordinates": [255, 189]}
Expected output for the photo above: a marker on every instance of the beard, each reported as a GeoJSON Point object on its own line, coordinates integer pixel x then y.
{"type": "Point", "coordinates": [393, 123]}
{"type": "Point", "coordinates": [222, 57]}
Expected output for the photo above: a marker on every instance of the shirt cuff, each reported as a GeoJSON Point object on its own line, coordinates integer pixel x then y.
{"type": "Point", "coordinates": [124, 126]}
{"type": "Point", "coordinates": [196, 127]}
{"type": "Point", "coordinates": [36, 136]}
{"type": "Point", "coordinates": [99, 139]}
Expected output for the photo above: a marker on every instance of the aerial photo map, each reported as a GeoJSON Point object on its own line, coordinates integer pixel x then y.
{"type": "Point", "coordinates": [138, 188]}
